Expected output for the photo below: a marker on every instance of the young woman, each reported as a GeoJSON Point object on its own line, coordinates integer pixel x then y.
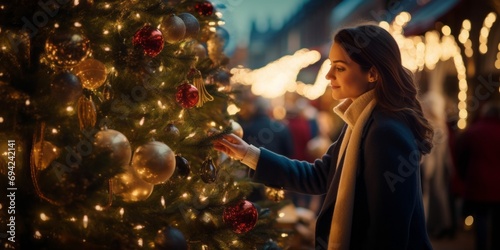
{"type": "Point", "coordinates": [370, 175]}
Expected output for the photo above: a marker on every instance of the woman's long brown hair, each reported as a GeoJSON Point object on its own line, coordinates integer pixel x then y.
{"type": "Point", "coordinates": [395, 90]}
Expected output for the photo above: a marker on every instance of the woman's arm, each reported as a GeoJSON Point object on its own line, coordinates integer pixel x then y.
{"type": "Point", "coordinates": [279, 171]}
{"type": "Point", "coordinates": [300, 176]}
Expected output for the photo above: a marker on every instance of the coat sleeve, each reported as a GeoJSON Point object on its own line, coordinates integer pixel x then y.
{"type": "Point", "coordinates": [277, 171]}
{"type": "Point", "coordinates": [391, 175]}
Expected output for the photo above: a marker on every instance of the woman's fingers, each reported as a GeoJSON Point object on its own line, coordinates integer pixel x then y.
{"type": "Point", "coordinates": [224, 146]}
{"type": "Point", "coordinates": [221, 148]}
{"type": "Point", "coordinates": [225, 143]}
{"type": "Point", "coordinates": [232, 138]}
{"type": "Point", "coordinates": [229, 144]}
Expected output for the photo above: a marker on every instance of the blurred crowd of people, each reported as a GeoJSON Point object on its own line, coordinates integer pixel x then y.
{"type": "Point", "coordinates": [460, 177]}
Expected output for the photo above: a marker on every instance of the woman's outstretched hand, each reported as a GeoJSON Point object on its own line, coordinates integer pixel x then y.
{"type": "Point", "coordinates": [232, 145]}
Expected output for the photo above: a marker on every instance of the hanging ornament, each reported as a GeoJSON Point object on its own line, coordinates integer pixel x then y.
{"type": "Point", "coordinates": [87, 115]}
{"type": "Point", "coordinates": [154, 162]}
{"type": "Point", "coordinates": [187, 95]}
{"type": "Point", "coordinates": [172, 130]}
{"type": "Point", "coordinates": [65, 88]}
{"type": "Point", "coordinates": [170, 238]}
{"type": "Point", "coordinates": [208, 171]}
{"type": "Point", "coordinates": [182, 166]}
{"type": "Point", "coordinates": [130, 187]}
{"type": "Point", "coordinates": [67, 47]}
{"type": "Point", "coordinates": [173, 28]}
{"type": "Point", "coordinates": [114, 145]}
{"type": "Point", "coordinates": [204, 8]}
{"type": "Point", "coordinates": [92, 73]}
{"type": "Point", "coordinates": [192, 25]}
{"type": "Point", "coordinates": [199, 51]}
{"type": "Point", "coordinates": [44, 153]}
{"type": "Point", "coordinates": [236, 128]}
{"type": "Point", "coordinates": [240, 217]}
{"type": "Point", "coordinates": [203, 94]}
{"type": "Point", "coordinates": [275, 194]}
{"type": "Point", "coordinates": [150, 39]}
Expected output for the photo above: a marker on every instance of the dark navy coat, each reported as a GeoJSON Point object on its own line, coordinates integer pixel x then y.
{"type": "Point", "coordinates": [388, 211]}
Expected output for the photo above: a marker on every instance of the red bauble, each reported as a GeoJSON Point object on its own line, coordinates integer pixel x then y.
{"type": "Point", "coordinates": [204, 8]}
{"type": "Point", "coordinates": [241, 217]}
{"type": "Point", "coordinates": [150, 39]}
{"type": "Point", "coordinates": [187, 95]}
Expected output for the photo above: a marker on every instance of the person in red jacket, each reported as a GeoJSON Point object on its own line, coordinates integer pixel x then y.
{"type": "Point", "coordinates": [478, 163]}
{"type": "Point", "coordinates": [371, 175]}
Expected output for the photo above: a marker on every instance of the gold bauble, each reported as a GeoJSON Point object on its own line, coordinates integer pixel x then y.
{"type": "Point", "coordinates": [113, 144]}
{"type": "Point", "coordinates": [92, 73]}
{"type": "Point", "coordinates": [154, 162]}
{"type": "Point", "coordinates": [173, 28]}
{"type": "Point", "coordinates": [44, 153]}
{"type": "Point", "coordinates": [130, 187]}
{"type": "Point", "coordinates": [67, 47]}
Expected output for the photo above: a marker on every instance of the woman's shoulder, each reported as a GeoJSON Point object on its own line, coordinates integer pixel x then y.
{"type": "Point", "coordinates": [386, 122]}
{"type": "Point", "coordinates": [388, 130]}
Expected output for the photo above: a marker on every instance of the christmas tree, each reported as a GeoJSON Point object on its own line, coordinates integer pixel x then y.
{"type": "Point", "coordinates": [109, 109]}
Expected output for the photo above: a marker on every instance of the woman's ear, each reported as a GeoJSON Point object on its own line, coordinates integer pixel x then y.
{"type": "Point", "coordinates": [372, 75]}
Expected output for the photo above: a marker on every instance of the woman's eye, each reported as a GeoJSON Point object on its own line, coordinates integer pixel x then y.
{"type": "Point", "coordinates": [340, 69]}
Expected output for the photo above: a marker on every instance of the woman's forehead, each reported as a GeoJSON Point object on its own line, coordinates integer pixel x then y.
{"type": "Point", "coordinates": [338, 53]}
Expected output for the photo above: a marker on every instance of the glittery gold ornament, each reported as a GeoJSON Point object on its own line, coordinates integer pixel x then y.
{"type": "Point", "coordinates": [44, 153]}
{"type": "Point", "coordinates": [67, 47]}
{"type": "Point", "coordinates": [87, 115]}
{"type": "Point", "coordinates": [92, 73]}
{"type": "Point", "coordinates": [130, 187]}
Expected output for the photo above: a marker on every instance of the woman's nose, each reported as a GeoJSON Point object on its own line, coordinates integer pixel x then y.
{"type": "Point", "coordinates": [330, 75]}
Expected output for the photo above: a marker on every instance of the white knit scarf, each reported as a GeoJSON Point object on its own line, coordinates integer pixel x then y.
{"type": "Point", "coordinates": [355, 114]}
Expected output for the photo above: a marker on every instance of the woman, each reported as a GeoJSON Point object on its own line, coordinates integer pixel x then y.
{"type": "Point", "coordinates": [370, 175]}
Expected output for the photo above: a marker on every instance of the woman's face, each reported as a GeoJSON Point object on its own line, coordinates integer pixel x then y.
{"type": "Point", "coordinates": [346, 77]}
